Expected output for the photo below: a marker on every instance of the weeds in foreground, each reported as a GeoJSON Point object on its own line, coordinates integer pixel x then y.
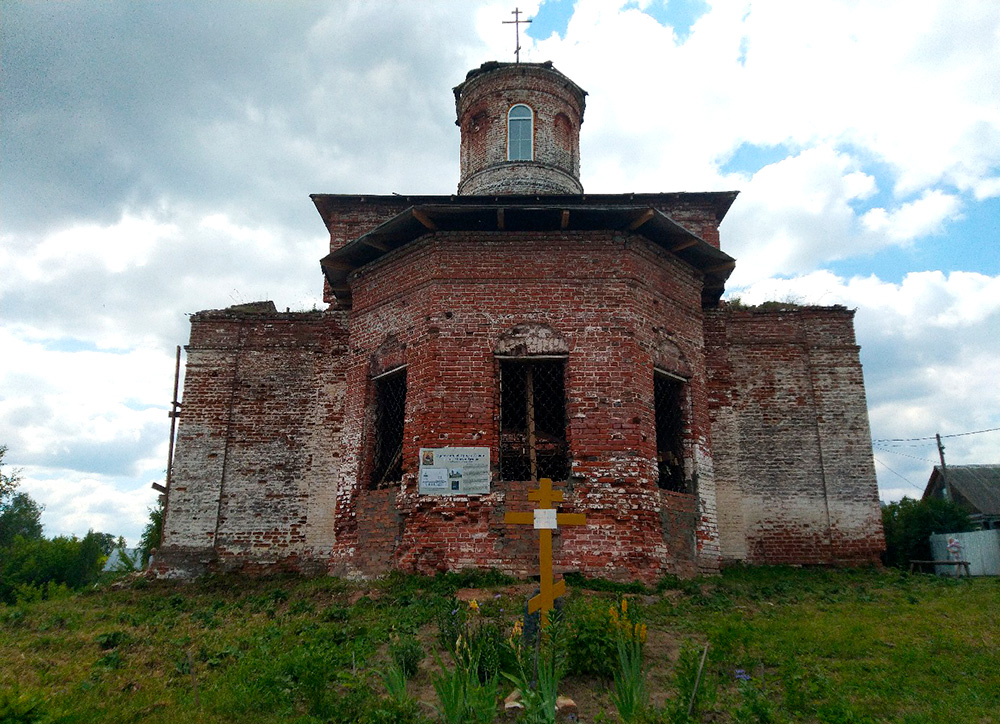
{"type": "Point", "coordinates": [462, 697]}
{"type": "Point", "coordinates": [539, 667]}
{"type": "Point", "coordinates": [630, 697]}
{"type": "Point", "coordinates": [395, 683]}
{"type": "Point", "coordinates": [591, 648]}
{"type": "Point", "coordinates": [406, 653]}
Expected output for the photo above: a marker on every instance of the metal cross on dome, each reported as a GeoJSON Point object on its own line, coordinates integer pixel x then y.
{"type": "Point", "coordinates": [545, 518]}
{"type": "Point", "coordinates": [516, 22]}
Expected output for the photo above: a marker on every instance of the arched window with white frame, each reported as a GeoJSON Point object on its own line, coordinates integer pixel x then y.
{"type": "Point", "coordinates": [520, 136]}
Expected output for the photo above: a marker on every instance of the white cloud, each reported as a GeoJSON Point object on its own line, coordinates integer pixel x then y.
{"type": "Point", "coordinates": [115, 248]}
{"type": "Point", "coordinates": [796, 214]}
{"type": "Point", "coordinates": [75, 502]}
{"type": "Point", "coordinates": [914, 219]}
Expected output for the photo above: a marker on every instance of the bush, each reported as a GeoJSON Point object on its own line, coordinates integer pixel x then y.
{"type": "Point", "coordinates": [407, 653]}
{"type": "Point", "coordinates": [909, 524]}
{"type": "Point", "coordinates": [37, 564]}
{"type": "Point", "coordinates": [591, 649]}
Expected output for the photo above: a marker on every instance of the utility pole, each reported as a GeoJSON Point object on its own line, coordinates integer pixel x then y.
{"type": "Point", "coordinates": [944, 468]}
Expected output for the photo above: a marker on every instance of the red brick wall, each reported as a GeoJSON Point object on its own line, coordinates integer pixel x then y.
{"type": "Point", "coordinates": [446, 301]}
{"type": "Point", "coordinates": [792, 451]}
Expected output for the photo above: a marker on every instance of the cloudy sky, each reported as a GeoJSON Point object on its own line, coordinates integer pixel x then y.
{"type": "Point", "coordinates": [156, 159]}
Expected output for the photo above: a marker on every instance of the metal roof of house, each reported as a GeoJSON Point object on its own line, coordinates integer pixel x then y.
{"type": "Point", "coordinates": [978, 484]}
{"type": "Point", "coordinates": [534, 215]}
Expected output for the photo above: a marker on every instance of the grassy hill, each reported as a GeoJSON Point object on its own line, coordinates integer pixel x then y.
{"type": "Point", "coordinates": [784, 645]}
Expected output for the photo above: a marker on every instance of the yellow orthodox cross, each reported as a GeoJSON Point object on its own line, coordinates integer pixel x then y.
{"type": "Point", "coordinates": [545, 518]}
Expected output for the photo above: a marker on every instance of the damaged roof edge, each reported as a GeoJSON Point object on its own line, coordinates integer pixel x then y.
{"type": "Point", "coordinates": [419, 220]}
{"type": "Point", "coordinates": [718, 201]}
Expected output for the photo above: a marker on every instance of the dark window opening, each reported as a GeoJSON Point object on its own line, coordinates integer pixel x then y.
{"type": "Point", "coordinates": [533, 420]}
{"type": "Point", "coordinates": [668, 392]}
{"type": "Point", "coordinates": [387, 428]}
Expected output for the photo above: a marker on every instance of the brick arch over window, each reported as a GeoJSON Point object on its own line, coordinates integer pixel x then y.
{"type": "Point", "coordinates": [667, 355]}
{"type": "Point", "coordinates": [387, 356]}
{"type": "Point", "coordinates": [531, 338]}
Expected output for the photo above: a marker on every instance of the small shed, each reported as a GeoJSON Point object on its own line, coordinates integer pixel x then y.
{"type": "Point", "coordinates": [975, 487]}
{"type": "Point", "coordinates": [981, 548]}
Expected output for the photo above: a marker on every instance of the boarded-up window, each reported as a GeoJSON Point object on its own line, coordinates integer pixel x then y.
{"type": "Point", "coordinates": [533, 420]}
{"type": "Point", "coordinates": [387, 428]}
{"type": "Point", "coordinates": [669, 396]}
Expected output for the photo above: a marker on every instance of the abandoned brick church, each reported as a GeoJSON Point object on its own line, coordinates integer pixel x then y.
{"type": "Point", "coordinates": [521, 329]}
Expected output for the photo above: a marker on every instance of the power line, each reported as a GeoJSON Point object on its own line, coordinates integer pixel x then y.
{"type": "Point", "coordinates": [934, 437]}
{"type": "Point", "coordinates": [974, 432]}
{"type": "Point", "coordinates": [897, 474]}
{"type": "Point", "coordinates": [912, 457]}
{"type": "Point", "coordinates": [928, 443]}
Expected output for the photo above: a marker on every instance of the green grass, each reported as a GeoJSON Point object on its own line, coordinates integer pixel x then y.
{"type": "Point", "coordinates": [785, 645]}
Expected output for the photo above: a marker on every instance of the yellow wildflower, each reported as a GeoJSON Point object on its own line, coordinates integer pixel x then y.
{"type": "Point", "coordinates": [474, 605]}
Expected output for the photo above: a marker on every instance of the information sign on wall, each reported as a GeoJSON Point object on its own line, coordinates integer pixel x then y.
{"type": "Point", "coordinates": [454, 470]}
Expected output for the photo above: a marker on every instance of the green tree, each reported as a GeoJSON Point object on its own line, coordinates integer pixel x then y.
{"type": "Point", "coordinates": [107, 542]}
{"type": "Point", "coordinates": [20, 515]}
{"type": "Point", "coordinates": [8, 482]}
{"type": "Point", "coordinates": [909, 524]}
{"type": "Point", "coordinates": [152, 534]}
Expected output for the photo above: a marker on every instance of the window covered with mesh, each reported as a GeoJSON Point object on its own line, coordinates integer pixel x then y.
{"type": "Point", "coordinates": [387, 428]}
{"type": "Point", "coordinates": [533, 420]}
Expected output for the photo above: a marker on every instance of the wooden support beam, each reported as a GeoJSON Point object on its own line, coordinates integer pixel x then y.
{"type": "Point", "coordinates": [683, 244]}
{"type": "Point", "coordinates": [373, 244]}
{"type": "Point", "coordinates": [641, 219]}
{"type": "Point", "coordinates": [500, 219]}
{"type": "Point", "coordinates": [339, 265]}
{"type": "Point", "coordinates": [424, 219]}
{"type": "Point", "coordinates": [564, 221]}
{"type": "Point", "coordinates": [720, 267]}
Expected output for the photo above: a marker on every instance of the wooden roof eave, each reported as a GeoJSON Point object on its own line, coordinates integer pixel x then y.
{"type": "Point", "coordinates": [417, 221]}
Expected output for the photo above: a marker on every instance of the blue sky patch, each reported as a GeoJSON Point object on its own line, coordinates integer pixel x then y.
{"type": "Point", "coordinates": [681, 15]}
{"type": "Point", "coordinates": [750, 158]}
{"type": "Point", "coordinates": [963, 246]}
{"type": "Point", "coordinates": [72, 344]}
{"type": "Point", "coordinates": [552, 17]}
